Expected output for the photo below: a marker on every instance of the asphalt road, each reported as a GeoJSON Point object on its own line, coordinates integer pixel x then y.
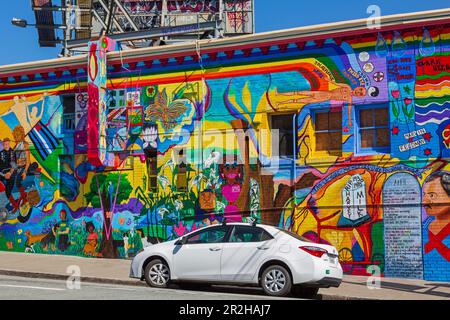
{"type": "Point", "coordinates": [17, 288]}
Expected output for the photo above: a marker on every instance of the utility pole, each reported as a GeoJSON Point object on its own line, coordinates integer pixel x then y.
{"type": "Point", "coordinates": [164, 13]}
{"type": "Point", "coordinates": [217, 33]}
{"type": "Point", "coordinates": [68, 30]}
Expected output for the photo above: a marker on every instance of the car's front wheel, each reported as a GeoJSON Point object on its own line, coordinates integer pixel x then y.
{"type": "Point", "coordinates": [276, 281]}
{"type": "Point", "coordinates": [157, 274]}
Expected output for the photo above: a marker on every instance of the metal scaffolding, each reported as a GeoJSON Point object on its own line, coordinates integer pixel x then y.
{"type": "Point", "coordinates": [139, 23]}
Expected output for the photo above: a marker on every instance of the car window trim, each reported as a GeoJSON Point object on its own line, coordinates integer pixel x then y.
{"type": "Point", "coordinates": [225, 238]}
{"type": "Point", "coordinates": [257, 228]}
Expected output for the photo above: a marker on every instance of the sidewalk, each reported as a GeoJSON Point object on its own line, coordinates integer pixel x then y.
{"type": "Point", "coordinates": [116, 271]}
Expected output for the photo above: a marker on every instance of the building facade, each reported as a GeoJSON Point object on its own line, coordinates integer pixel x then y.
{"type": "Point", "coordinates": [339, 132]}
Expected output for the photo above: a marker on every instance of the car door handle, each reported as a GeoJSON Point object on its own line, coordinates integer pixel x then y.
{"type": "Point", "coordinates": [214, 249]}
{"type": "Point", "coordinates": [263, 248]}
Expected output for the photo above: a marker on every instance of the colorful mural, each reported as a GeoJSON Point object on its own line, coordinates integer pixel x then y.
{"type": "Point", "coordinates": [195, 147]}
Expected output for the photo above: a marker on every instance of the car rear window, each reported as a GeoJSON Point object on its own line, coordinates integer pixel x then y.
{"type": "Point", "coordinates": [250, 234]}
{"type": "Point", "coordinates": [294, 235]}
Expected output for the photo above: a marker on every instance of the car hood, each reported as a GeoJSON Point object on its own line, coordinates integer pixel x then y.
{"type": "Point", "coordinates": [160, 245]}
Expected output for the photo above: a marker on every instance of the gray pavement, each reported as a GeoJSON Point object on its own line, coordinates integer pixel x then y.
{"type": "Point", "coordinates": [115, 272]}
{"type": "Point", "coordinates": [21, 288]}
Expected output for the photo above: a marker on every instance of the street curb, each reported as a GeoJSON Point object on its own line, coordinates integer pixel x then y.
{"type": "Point", "coordinates": [52, 276]}
{"type": "Point", "coordinates": [329, 297]}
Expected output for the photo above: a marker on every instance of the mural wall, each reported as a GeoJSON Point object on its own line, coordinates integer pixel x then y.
{"type": "Point", "coordinates": [194, 148]}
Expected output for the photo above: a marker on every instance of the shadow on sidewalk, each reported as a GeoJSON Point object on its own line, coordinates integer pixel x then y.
{"type": "Point", "coordinates": [228, 289]}
{"type": "Point", "coordinates": [429, 288]}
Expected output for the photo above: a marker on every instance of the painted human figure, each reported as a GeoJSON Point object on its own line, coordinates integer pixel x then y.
{"type": "Point", "coordinates": [343, 93]}
{"type": "Point", "coordinates": [62, 231]}
{"type": "Point", "coordinates": [29, 116]}
{"type": "Point", "coordinates": [436, 201]}
{"type": "Point", "coordinates": [22, 159]}
{"type": "Point", "coordinates": [232, 176]}
{"type": "Point", "coordinates": [205, 210]}
{"type": "Point", "coordinates": [90, 248]}
{"type": "Point", "coordinates": [7, 171]}
{"type": "Point", "coordinates": [21, 109]}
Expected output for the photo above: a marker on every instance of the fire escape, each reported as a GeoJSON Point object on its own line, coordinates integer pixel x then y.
{"type": "Point", "coordinates": [138, 23]}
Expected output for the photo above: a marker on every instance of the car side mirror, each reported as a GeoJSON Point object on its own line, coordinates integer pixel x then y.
{"type": "Point", "coordinates": [181, 242]}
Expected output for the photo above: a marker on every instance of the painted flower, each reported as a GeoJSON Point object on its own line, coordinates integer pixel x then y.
{"type": "Point", "coordinates": [180, 230]}
{"type": "Point", "coordinates": [220, 206]}
{"type": "Point", "coordinates": [194, 227]}
{"type": "Point", "coordinates": [150, 135]}
{"type": "Point", "coordinates": [395, 93]}
{"type": "Point", "coordinates": [162, 212]}
{"type": "Point", "coordinates": [212, 159]}
{"type": "Point", "coordinates": [178, 205]}
{"type": "Point", "coordinates": [19, 231]}
{"type": "Point", "coordinates": [395, 131]}
{"type": "Point", "coordinates": [166, 111]}
{"type": "Point", "coordinates": [427, 136]}
{"type": "Point", "coordinates": [196, 180]}
{"type": "Point", "coordinates": [164, 181]}
{"type": "Point", "coordinates": [170, 163]}
{"type": "Point", "coordinates": [427, 152]}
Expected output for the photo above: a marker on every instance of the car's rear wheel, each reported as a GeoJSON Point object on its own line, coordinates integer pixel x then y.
{"type": "Point", "coordinates": [276, 281]}
{"type": "Point", "coordinates": [157, 274]}
{"type": "Point", "coordinates": [304, 292]}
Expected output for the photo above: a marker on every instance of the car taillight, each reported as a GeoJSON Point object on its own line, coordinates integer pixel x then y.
{"type": "Point", "coordinates": [314, 251]}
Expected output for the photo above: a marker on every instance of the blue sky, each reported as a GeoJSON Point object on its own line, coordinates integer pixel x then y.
{"type": "Point", "coordinates": [21, 45]}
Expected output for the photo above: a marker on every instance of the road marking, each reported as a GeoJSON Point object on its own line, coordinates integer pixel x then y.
{"type": "Point", "coordinates": [108, 288]}
{"type": "Point", "coordinates": [30, 287]}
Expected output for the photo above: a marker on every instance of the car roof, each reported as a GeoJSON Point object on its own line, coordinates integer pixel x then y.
{"type": "Point", "coordinates": [270, 229]}
{"type": "Point", "coordinates": [238, 224]}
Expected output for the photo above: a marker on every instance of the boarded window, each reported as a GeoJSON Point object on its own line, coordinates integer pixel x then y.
{"type": "Point", "coordinates": [328, 132]}
{"type": "Point", "coordinates": [374, 133]}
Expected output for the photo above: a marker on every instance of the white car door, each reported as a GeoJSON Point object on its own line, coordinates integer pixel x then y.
{"type": "Point", "coordinates": [199, 258]}
{"type": "Point", "coordinates": [247, 247]}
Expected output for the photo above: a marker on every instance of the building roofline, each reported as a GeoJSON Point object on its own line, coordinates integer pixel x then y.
{"type": "Point", "coordinates": [315, 32]}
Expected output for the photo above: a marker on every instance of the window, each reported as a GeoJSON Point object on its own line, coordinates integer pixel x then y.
{"type": "Point", "coordinates": [249, 234]}
{"type": "Point", "coordinates": [68, 102]}
{"type": "Point", "coordinates": [128, 164]}
{"type": "Point", "coordinates": [181, 172]}
{"type": "Point", "coordinates": [210, 235]}
{"type": "Point", "coordinates": [285, 125]}
{"type": "Point", "coordinates": [152, 170]}
{"type": "Point", "coordinates": [328, 132]}
{"type": "Point", "coordinates": [373, 131]}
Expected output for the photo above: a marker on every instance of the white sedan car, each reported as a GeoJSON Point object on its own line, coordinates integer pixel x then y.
{"type": "Point", "coordinates": [279, 261]}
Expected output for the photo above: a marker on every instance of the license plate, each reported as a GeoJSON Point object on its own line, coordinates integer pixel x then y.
{"type": "Point", "coordinates": [332, 260]}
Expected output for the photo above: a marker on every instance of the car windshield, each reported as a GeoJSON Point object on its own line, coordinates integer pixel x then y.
{"type": "Point", "coordinates": [296, 236]}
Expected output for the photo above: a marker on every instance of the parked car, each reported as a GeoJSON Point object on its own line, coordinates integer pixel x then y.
{"type": "Point", "coordinates": [279, 261]}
